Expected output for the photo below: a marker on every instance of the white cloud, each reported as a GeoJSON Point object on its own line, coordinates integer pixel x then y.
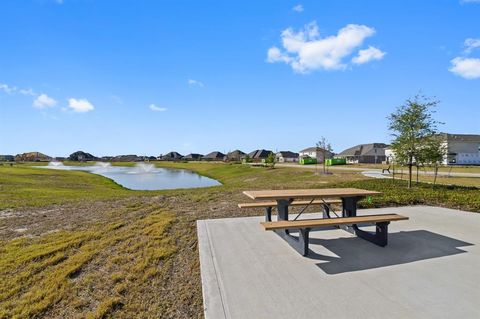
{"type": "Point", "coordinates": [471, 44]}
{"type": "Point", "coordinates": [195, 83]}
{"type": "Point", "coordinates": [27, 92]}
{"type": "Point", "coordinates": [306, 51]}
{"type": "Point", "coordinates": [468, 68]}
{"type": "Point", "coordinates": [155, 108]}
{"type": "Point", "coordinates": [43, 101]}
{"type": "Point", "coordinates": [80, 105]}
{"type": "Point", "coordinates": [368, 55]}
{"type": "Point", "coordinates": [298, 8]}
{"type": "Point", "coordinates": [7, 89]}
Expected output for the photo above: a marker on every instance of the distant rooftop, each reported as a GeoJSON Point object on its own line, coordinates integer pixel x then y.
{"type": "Point", "coordinates": [363, 149]}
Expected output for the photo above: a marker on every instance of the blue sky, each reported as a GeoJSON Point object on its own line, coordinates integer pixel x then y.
{"type": "Point", "coordinates": [148, 77]}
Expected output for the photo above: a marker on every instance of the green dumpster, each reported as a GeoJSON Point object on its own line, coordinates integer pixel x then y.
{"type": "Point", "coordinates": [336, 161]}
{"type": "Point", "coordinates": [307, 160]}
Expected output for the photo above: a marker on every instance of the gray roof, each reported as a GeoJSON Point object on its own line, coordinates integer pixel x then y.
{"type": "Point", "coordinates": [313, 149]}
{"type": "Point", "coordinates": [193, 156]}
{"type": "Point", "coordinates": [259, 154]}
{"type": "Point", "coordinates": [215, 155]}
{"type": "Point", "coordinates": [461, 137]}
{"type": "Point", "coordinates": [309, 149]}
{"type": "Point", "coordinates": [235, 153]}
{"type": "Point", "coordinates": [174, 155]}
{"type": "Point", "coordinates": [364, 150]}
{"type": "Point", "coordinates": [287, 154]}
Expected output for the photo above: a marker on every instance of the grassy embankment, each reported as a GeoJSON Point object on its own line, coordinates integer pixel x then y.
{"type": "Point", "coordinates": [446, 169]}
{"type": "Point", "coordinates": [73, 244]}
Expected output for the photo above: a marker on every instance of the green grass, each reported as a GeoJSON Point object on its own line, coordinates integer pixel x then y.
{"type": "Point", "coordinates": [24, 186]}
{"type": "Point", "coordinates": [36, 273]}
{"type": "Point", "coordinates": [456, 169]}
{"type": "Point", "coordinates": [135, 254]}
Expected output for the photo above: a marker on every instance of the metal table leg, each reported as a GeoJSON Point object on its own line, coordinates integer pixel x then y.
{"type": "Point", "coordinates": [300, 244]}
{"type": "Point", "coordinates": [349, 209]}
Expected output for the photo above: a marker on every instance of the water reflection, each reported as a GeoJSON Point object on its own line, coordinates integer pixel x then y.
{"type": "Point", "coordinates": [143, 176]}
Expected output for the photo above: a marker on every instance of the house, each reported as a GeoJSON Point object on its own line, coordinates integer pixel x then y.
{"type": "Point", "coordinates": [462, 149]}
{"type": "Point", "coordinates": [236, 155]}
{"type": "Point", "coordinates": [127, 158]}
{"type": "Point", "coordinates": [171, 156]}
{"type": "Point", "coordinates": [193, 157]}
{"type": "Point", "coordinates": [258, 155]}
{"type": "Point", "coordinates": [32, 157]}
{"type": "Point", "coordinates": [365, 153]}
{"type": "Point", "coordinates": [286, 156]}
{"type": "Point", "coordinates": [315, 152]}
{"type": "Point", "coordinates": [81, 156]}
{"type": "Point", "coordinates": [7, 158]}
{"type": "Point", "coordinates": [214, 156]}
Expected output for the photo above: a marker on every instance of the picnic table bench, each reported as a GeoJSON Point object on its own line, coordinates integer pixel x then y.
{"type": "Point", "coordinates": [325, 203]}
{"type": "Point", "coordinates": [349, 220]}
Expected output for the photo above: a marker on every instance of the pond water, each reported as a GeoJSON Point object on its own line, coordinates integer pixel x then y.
{"type": "Point", "coordinates": [143, 176]}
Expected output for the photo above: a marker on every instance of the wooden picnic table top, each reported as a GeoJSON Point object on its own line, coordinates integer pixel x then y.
{"type": "Point", "coordinates": [308, 193]}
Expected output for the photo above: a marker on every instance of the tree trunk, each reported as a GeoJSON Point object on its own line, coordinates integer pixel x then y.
{"type": "Point", "coordinates": [410, 175]}
{"type": "Point", "coordinates": [393, 172]}
{"type": "Point", "coordinates": [417, 174]}
{"type": "Point", "coordinates": [435, 175]}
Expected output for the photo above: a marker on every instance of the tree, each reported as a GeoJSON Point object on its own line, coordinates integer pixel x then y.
{"type": "Point", "coordinates": [432, 153]}
{"type": "Point", "coordinates": [324, 148]}
{"type": "Point", "coordinates": [412, 124]}
{"type": "Point", "coordinates": [270, 160]}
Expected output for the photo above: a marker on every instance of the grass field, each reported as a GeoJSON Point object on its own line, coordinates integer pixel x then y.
{"type": "Point", "coordinates": [452, 169]}
{"type": "Point", "coordinates": [77, 245]}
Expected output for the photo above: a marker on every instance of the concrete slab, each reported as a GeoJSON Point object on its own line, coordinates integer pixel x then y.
{"type": "Point", "coordinates": [430, 269]}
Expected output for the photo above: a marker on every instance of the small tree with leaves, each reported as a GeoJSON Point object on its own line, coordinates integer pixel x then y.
{"type": "Point", "coordinates": [270, 160]}
{"type": "Point", "coordinates": [412, 124]}
{"type": "Point", "coordinates": [432, 153]}
{"type": "Point", "coordinates": [323, 147]}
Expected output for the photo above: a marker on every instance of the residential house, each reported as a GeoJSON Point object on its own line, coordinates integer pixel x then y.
{"type": "Point", "coordinates": [32, 157]}
{"type": "Point", "coordinates": [365, 153]}
{"type": "Point", "coordinates": [7, 158]}
{"type": "Point", "coordinates": [259, 155]}
{"type": "Point", "coordinates": [193, 157]}
{"type": "Point", "coordinates": [81, 156]}
{"type": "Point", "coordinates": [214, 156]}
{"type": "Point", "coordinates": [171, 156]}
{"type": "Point", "coordinates": [316, 152]}
{"type": "Point", "coordinates": [236, 155]}
{"type": "Point", "coordinates": [462, 149]}
{"type": "Point", "coordinates": [127, 158]}
{"type": "Point", "coordinates": [286, 156]}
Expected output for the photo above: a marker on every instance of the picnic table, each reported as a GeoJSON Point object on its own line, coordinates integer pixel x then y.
{"type": "Point", "coordinates": [348, 221]}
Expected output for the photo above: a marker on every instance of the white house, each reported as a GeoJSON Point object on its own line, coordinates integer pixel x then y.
{"type": "Point", "coordinates": [286, 156]}
{"type": "Point", "coordinates": [461, 149]}
{"type": "Point", "coordinates": [315, 152]}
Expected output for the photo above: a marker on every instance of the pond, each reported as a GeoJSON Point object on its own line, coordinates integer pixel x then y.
{"type": "Point", "coordinates": [143, 176]}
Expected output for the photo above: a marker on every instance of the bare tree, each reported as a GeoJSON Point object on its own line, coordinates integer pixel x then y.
{"type": "Point", "coordinates": [323, 147]}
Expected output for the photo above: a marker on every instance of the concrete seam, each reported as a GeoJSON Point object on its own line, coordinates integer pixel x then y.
{"type": "Point", "coordinates": [217, 277]}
